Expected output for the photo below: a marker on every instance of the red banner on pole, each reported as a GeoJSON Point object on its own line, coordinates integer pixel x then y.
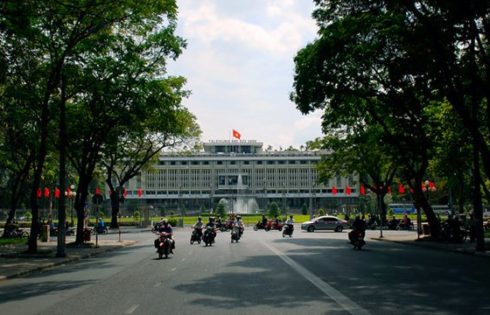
{"type": "Point", "coordinates": [363, 190]}
{"type": "Point", "coordinates": [334, 190]}
{"type": "Point", "coordinates": [57, 193]}
{"type": "Point", "coordinates": [140, 192]}
{"type": "Point", "coordinates": [347, 190]}
{"type": "Point", "coordinates": [39, 193]}
{"type": "Point", "coordinates": [46, 192]}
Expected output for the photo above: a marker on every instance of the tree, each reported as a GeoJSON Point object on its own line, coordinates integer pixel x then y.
{"type": "Point", "coordinates": [221, 210]}
{"type": "Point", "coordinates": [358, 150]}
{"type": "Point", "coordinates": [132, 150]}
{"type": "Point", "coordinates": [273, 209]}
{"type": "Point", "coordinates": [355, 73]}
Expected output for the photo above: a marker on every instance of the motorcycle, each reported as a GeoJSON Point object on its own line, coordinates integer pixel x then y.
{"type": "Point", "coordinates": [235, 234]}
{"type": "Point", "coordinates": [209, 236]}
{"type": "Point", "coordinates": [15, 231]}
{"type": "Point", "coordinates": [288, 230]}
{"type": "Point", "coordinates": [259, 226]}
{"type": "Point", "coordinates": [270, 225]}
{"type": "Point", "coordinates": [196, 235]}
{"type": "Point", "coordinates": [356, 238]}
{"type": "Point", "coordinates": [163, 245]}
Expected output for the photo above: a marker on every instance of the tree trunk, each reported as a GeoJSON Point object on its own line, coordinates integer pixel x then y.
{"type": "Point", "coordinates": [477, 204]}
{"type": "Point", "coordinates": [60, 249]}
{"type": "Point", "coordinates": [422, 202]}
{"type": "Point", "coordinates": [80, 201]}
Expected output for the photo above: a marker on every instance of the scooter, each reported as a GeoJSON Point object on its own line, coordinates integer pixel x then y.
{"type": "Point", "coordinates": [288, 230]}
{"type": "Point", "coordinates": [163, 245]}
{"type": "Point", "coordinates": [208, 236]}
{"type": "Point", "coordinates": [196, 235]}
{"type": "Point", "coordinates": [235, 234]}
{"type": "Point", "coordinates": [356, 238]}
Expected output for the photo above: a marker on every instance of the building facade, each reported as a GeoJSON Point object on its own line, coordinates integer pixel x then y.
{"type": "Point", "coordinates": [242, 175]}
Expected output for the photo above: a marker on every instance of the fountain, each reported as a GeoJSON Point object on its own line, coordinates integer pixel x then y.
{"type": "Point", "coordinates": [244, 203]}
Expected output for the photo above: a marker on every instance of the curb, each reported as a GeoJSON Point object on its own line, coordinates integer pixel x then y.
{"type": "Point", "coordinates": [430, 246]}
{"type": "Point", "coordinates": [63, 261]}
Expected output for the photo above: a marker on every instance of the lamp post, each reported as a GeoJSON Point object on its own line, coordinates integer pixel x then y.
{"type": "Point", "coordinates": [71, 197]}
{"type": "Point", "coordinates": [180, 205]}
{"type": "Point", "coordinates": [428, 186]}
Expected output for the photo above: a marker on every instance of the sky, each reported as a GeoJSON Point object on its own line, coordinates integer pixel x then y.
{"type": "Point", "coordinates": [239, 65]}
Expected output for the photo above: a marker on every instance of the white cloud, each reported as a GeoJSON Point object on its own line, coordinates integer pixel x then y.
{"type": "Point", "coordinates": [239, 67]}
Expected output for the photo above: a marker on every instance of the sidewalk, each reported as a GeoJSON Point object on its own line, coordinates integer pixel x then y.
{"type": "Point", "coordinates": [462, 248]}
{"type": "Point", "coordinates": [14, 262]}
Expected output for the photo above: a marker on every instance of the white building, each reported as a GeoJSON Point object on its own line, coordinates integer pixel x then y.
{"type": "Point", "coordinates": [244, 176]}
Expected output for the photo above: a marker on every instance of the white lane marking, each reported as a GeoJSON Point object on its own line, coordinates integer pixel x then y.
{"type": "Point", "coordinates": [173, 269]}
{"type": "Point", "coordinates": [342, 300]}
{"type": "Point", "coordinates": [157, 284]}
{"type": "Point", "coordinates": [132, 309]}
{"type": "Point", "coordinates": [183, 259]}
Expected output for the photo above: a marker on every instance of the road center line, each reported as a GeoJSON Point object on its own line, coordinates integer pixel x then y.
{"type": "Point", "coordinates": [173, 269]}
{"type": "Point", "coordinates": [132, 309]}
{"type": "Point", "coordinates": [342, 300]}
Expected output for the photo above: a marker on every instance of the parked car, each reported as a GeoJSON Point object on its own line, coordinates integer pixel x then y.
{"type": "Point", "coordinates": [326, 222]}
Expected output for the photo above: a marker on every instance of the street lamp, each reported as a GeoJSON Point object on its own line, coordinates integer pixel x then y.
{"type": "Point", "coordinates": [71, 197]}
{"type": "Point", "coordinates": [427, 186]}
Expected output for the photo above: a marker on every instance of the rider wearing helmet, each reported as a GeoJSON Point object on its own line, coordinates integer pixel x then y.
{"type": "Point", "coordinates": [239, 224]}
{"type": "Point", "coordinates": [167, 228]}
{"type": "Point", "coordinates": [198, 226]}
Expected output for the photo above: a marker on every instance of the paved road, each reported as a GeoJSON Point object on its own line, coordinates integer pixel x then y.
{"type": "Point", "coordinates": [315, 273]}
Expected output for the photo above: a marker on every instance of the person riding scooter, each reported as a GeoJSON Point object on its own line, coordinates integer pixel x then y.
{"type": "Point", "coordinates": [289, 227]}
{"type": "Point", "coordinates": [198, 226]}
{"type": "Point", "coordinates": [167, 228]}
{"type": "Point", "coordinates": [356, 236]}
{"type": "Point", "coordinates": [239, 224]}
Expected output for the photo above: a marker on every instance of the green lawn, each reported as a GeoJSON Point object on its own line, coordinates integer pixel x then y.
{"type": "Point", "coordinates": [16, 240]}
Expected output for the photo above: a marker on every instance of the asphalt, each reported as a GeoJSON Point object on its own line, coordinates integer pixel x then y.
{"type": "Point", "coordinates": [15, 262]}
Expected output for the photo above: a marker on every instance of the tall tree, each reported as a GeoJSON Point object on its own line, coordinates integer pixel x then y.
{"type": "Point", "coordinates": [356, 70]}
{"type": "Point", "coordinates": [135, 149]}
{"type": "Point", "coordinates": [358, 149]}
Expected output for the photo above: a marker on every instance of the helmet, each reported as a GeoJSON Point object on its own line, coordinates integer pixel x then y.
{"type": "Point", "coordinates": [199, 219]}
{"type": "Point", "coordinates": [165, 221]}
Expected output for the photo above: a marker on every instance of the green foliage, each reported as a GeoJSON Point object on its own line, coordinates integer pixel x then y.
{"type": "Point", "coordinates": [273, 210]}
{"type": "Point", "coordinates": [220, 210]}
{"type": "Point", "coordinates": [320, 212]}
{"type": "Point", "coordinates": [304, 209]}
{"type": "Point", "coordinates": [136, 215]}
{"type": "Point", "coordinates": [28, 215]}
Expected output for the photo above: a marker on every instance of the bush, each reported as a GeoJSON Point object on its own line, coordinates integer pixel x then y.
{"type": "Point", "coordinates": [304, 209]}
{"type": "Point", "coordinates": [136, 215]}
{"type": "Point", "coordinates": [273, 210]}
{"type": "Point", "coordinates": [320, 212]}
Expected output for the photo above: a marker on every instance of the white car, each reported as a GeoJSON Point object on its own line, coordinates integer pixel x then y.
{"type": "Point", "coordinates": [326, 222]}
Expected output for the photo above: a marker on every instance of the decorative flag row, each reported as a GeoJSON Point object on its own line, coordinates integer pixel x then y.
{"type": "Point", "coordinates": [401, 188]}
{"type": "Point", "coordinates": [46, 193]}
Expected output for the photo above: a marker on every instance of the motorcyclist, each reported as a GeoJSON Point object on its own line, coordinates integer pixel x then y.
{"type": "Point", "coordinates": [264, 220]}
{"type": "Point", "coordinates": [359, 225]}
{"type": "Point", "coordinates": [198, 226]}
{"type": "Point", "coordinates": [167, 228]}
{"type": "Point", "coordinates": [239, 224]}
{"type": "Point", "coordinates": [290, 224]}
